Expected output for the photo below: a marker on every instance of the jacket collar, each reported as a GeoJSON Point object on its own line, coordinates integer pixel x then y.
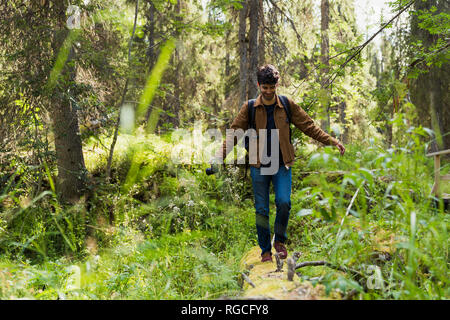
{"type": "Point", "coordinates": [258, 102]}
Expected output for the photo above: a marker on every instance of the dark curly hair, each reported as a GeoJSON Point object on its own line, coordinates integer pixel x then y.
{"type": "Point", "coordinates": [267, 74]}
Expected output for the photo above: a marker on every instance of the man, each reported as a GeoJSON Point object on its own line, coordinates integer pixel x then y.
{"type": "Point", "coordinates": [270, 114]}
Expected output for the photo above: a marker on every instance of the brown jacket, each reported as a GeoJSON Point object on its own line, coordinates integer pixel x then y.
{"type": "Point", "coordinates": [298, 117]}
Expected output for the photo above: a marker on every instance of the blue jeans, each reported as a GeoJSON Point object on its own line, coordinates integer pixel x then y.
{"type": "Point", "coordinates": [282, 182]}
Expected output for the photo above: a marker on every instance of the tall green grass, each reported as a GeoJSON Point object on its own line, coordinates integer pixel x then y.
{"type": "Point", "coordinates": [395, 234]}
{"type": "Point", "coordinates": [176, 233]}
{"type": "Point", "coordinates": [168, 240]}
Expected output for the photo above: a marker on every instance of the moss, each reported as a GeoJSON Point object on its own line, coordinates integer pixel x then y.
{"type": "Point", "coordinates": [275, 285]}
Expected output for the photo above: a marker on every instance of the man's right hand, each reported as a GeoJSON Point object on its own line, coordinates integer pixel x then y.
{"type": "Point", "coordinates": [341, 148]}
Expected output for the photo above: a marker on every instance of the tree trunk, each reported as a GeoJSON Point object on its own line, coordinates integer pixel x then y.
{"type": "Point", "coordinates": [227, 66]}
{"type": "Point", "coordinates": [151, 56]}
{"type": "Point", "coordinates": [71, 180]}
{"type": "Point", "coordinates": [429, 92]}
{"type": "Point", "coordinates": [343, 121]}
{"type": "Point", "coordinates": [176, 59]}
{"type": "Point", "coordinates": [261, 38]}
{"type": "Point", "coordinates": [325, 59]}
{"type": "Point", "coordinates": [243, 53]}
{"type": "Point", "coordinates": [253, 49]}
{"type": "Point", "coordinates": [436, 113]}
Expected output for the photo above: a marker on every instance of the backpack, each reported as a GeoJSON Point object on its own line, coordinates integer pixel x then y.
{"type": "Point", "coordinates": [251, 116]}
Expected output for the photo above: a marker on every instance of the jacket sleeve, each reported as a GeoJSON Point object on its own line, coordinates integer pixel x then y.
{"type": "Point", "coordinates": [304, 122]}
{"type": "Point", "coordinates": [233, 136]}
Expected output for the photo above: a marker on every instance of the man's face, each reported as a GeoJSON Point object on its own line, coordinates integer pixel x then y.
{"type": "Point", "coordinates": [268, 90]}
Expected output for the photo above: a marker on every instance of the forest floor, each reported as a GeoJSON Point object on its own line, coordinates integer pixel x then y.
{"type": "Point", "coordinates": [265, 280]}
{"type": "Point", "coordinates": [179, 234]}
{"type": "Point", "coordinates": [269, 280]}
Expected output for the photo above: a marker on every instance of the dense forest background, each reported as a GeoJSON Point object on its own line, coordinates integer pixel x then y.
{"type": "Point", "coordinates": [93, 95]}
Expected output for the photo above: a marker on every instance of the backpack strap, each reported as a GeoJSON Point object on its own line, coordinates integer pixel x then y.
{"type": "Point", "coordinates": [287, 108]}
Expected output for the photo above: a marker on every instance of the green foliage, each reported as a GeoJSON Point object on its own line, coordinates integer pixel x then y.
{"type": "Point", "coordinates": [172, 247]}
{"type": "Point", "coordinates": [429, 46]}
{"type": "Point", "coordinates": [187, 242]}
{"type": "Point", "coordinates": [434, 23]}
{"type": "Point", "coordinates": [161, 230]}
{"type": "Point", "coordinates": [383, 237]}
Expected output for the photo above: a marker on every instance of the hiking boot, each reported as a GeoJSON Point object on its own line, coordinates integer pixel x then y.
{"type": "Point", "coordinates": [281, 249]}
{"type": "Point", "coordinates": [267, 256]}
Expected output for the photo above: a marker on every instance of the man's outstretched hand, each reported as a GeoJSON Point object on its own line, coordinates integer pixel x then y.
{"type": "Point", "coordinates": [341, 148]}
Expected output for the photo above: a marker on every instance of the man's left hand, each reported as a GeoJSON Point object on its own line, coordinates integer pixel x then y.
{"type": "Point", "coordinates": [341, 148]}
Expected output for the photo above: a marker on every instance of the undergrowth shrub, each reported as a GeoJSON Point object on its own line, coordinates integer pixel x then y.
{"type": "Point", "coordinates": [165, 231]}
{"type": "Point", "coordinates": [377, 217]}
